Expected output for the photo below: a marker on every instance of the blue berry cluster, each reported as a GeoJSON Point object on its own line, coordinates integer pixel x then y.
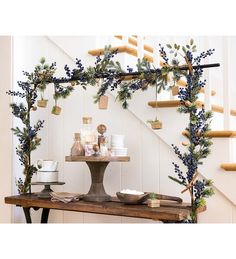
{"type": "Point", "coordinates": [180, 174]}
{"type": "Point", "coordinates": [199, 187]}
{"type": "Point", "coordinates": [163, 54]}
{"type": "Point", "coordinates": [203, 55]}
{"type": "Point", "coordinates": [129, 69]}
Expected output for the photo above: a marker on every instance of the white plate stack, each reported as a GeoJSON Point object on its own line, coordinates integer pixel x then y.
{"type": "Point", "coordinates": [117, 145]}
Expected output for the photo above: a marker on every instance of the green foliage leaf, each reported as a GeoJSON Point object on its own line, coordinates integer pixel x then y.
{"type": "Point", "coordinates": [184, 49]}
{"type": "Point", "coordinates": [176, 180]}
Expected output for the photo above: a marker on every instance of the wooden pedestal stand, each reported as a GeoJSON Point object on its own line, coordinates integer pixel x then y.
{"type": "Point", "coordinates": [97, 167]}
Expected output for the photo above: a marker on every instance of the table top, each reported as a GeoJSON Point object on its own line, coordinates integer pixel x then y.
{"type": "Point", "coordinates": [169, 211]}
{"type": "Point", "coordinates": [97, 158]}
{"type": "Point", "coordinates": [47, 183]}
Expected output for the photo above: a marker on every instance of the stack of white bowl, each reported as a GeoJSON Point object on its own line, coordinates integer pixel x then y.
{"type": "Point", "coordinates": [117, 145]}
{"type": "Point", "coordinates": [47, 171]}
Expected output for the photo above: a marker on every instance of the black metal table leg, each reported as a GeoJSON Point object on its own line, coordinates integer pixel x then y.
{"type": "Point", "coordinates": [27, 215]}
{"type": "Point", "coordinates": [44, 217]}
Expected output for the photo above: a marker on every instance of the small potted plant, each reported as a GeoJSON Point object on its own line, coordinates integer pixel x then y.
{"type": "Point", "coordinates": [103, 102]}
{"type": "Point", "coordinates": [155, 124]}
{"type": "Point", "coordinates": [152, 201]}
{"type": "Point", "coordinates": [56, 110]}
{"type": "Point", "coordinates": [60, 92]}
{"type": "Point", "coordinates": [42, 103]}
{"type": "Point", "coordinates": [43, 73]}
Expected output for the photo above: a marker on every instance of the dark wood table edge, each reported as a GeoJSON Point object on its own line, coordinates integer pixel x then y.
{"type": "Point", "coordinates": [90, 207]}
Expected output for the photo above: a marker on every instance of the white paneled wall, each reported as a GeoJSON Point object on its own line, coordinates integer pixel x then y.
{"type": "Point", "coordinates": [150, 152]}
{"type": "Point", "coordinates": [5, 125]}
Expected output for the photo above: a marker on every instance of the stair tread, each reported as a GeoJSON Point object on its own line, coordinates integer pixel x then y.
{"type": "Point", "coordinates": [176, 103]}
{"type": "Point", "coordinates": [217, 133]}
{"type": "Point", "coordinates": [134, 42]}
{"type": "Point", "coordinates": [228, 166]}
{"type": "Point", "coordinates": [120, 49]}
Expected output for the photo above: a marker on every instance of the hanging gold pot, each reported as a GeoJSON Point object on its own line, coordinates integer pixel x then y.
{"type": "Point", "coordinates": [56, 110]}
{"type": "Point", "coordinates": [156, 124]}
{"type": "Point", "coordinates": [42, 103]}
{"type": "Point", "coordinates": [103, 102]}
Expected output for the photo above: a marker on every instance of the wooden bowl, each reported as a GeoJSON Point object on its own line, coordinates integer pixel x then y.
{"type": "Point", "coordinates": [132, 198]}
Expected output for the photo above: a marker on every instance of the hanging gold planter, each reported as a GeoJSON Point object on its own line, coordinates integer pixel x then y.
{"type": "Point", "coordinates": [103, 102]}
{"type": "Point", "coordinates": [42, 103]}
{"type": "Point", "coordinates": [175, 90]}
{"type": "Point", "coordinates": [56, 110]}
{"type": "Point", "coordinates": [156, 125]}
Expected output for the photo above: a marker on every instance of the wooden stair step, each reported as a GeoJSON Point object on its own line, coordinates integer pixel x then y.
{"type": "Point", "coordinates": [164, 104]}
{"type": "Point", "coordinates": [120, 49]}
{"type": "Point", "coordinates": [134, 42]}
{"type": "Point", "coordinates": [216, 134]}
{"type": "Point", "coordinates": [228, 166]}
{"type": "Point", "coordinates": [176, 103]}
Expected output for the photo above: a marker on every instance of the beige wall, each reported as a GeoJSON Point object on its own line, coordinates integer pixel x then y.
{"type": "Point", "coordinates": [5, 125]}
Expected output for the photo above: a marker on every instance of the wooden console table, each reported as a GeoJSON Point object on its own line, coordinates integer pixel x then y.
{"type": "Point", "coordinates": [97, 166]}
{"type": "Point", "coordinates": [167, 213]}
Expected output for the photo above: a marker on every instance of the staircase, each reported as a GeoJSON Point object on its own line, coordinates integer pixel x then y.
{"type": "Point", "coordinates": [140, 105]}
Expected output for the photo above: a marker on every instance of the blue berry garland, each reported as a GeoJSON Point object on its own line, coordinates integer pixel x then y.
{"type": "Point", "coordinates": [110, 73]}
{"type": "Point", "coordinates": [199, 125]}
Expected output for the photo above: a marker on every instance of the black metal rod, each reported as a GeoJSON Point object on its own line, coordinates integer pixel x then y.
{"type": "Point", "coordinates": [64, 80]}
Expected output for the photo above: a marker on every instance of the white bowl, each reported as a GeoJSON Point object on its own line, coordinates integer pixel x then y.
{"type": "Point", "coordinates": [47, 176]}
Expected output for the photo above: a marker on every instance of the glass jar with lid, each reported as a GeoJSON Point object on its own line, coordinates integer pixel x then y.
{"type": "Point", "coordinates": [88, 135]}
